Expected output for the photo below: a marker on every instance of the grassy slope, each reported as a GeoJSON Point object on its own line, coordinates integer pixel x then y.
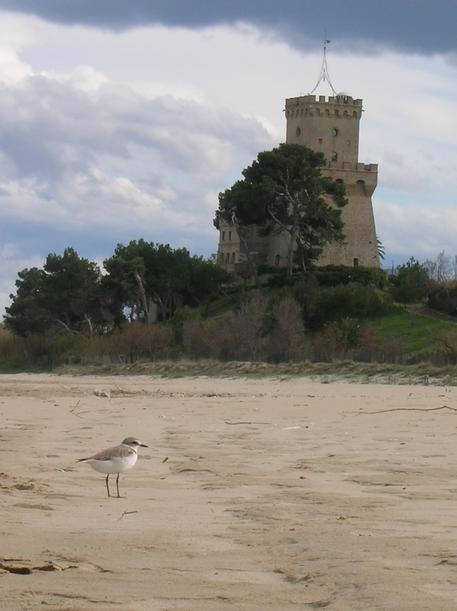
{"type": "Point", "coordinates": [417, 331]}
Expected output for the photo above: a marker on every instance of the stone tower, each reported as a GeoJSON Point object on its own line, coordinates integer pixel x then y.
{"type": "Point", "coordinates": [331, 126]}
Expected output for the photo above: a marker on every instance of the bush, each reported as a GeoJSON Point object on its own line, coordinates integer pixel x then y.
{"type": "Point", "coordinates": [349, 301]}
{"type": "Point", "coordinates": [286, 339]}
{"type": "Point", "coordinates": [247, 330]}
{"type": "Point", "coordinates": [444, 299]}
{"type": "Point", "coordinates": [206, 338]}
{"type": "Point", "coordinates": [139, 340]}
{"type": "Point", "coordinates": [181, 316]}
{"type": "Point", "coordinates": [66, 348]}
{"type": "Point", "coordinates": [411, 283]}
{"type": "Point", "coordinates": [332, 275]}
{"type": "Point", "coordinates": [336, 340]}
{"type": "Point", "coordinates": [12, 350]}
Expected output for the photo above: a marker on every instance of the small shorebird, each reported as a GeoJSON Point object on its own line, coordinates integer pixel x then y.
{"type": "Point", "coordinates": [115, 460]}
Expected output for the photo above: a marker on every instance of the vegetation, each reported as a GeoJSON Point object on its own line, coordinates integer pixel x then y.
{"type": "Point", "coordinates": [152, 302]}
{"type": "Point", "coordinates": [284, 191]}
{"type": "Point", "coordinates": [143, 282]}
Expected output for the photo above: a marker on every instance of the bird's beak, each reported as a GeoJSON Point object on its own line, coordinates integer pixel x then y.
{"type": "Point", "coordinates": [143, 445]}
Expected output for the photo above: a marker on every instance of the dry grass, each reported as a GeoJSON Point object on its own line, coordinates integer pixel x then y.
{"type": "Point", "coordinates": [422, 374]}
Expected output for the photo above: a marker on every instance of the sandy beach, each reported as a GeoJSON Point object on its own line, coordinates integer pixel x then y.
{"type": "Point", "coordinates": [253, 494]}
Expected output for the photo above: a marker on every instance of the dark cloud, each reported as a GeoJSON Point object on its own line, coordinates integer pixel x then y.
{"type": "Point", "coordinates": [414, 25]}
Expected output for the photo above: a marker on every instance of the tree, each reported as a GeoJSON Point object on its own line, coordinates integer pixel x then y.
{"type": "Point", "coordinates": [154, 277]}
{"type": "Point", "coordinates": [411, 282]}
{"type": "Point", "coordinates": [63, 296]}
{"type": "Point", "coordinates": [285, 191]}
{"type": "Point", "coordinates": [27, 314]}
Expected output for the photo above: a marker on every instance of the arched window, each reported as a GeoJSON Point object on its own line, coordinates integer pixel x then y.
{"type": "Point", "coordinates": [361, 189]}
{"type": "Point", "coordinates": [277, 260]}
{"type": "Point", "coordinates": [233, 257]}
{"type": "Point", "coordinates": [227, 257]}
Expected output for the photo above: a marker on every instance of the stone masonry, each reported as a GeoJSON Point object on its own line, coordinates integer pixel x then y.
{"type": "Point", "coordinates": [329, 125]}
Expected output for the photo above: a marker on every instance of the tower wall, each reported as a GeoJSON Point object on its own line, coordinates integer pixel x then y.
{"type": "Point", "coordinates": [331, 126]}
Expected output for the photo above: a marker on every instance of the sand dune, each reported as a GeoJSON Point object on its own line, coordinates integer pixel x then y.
{"type": "Point", "coordinates": [253, 494]}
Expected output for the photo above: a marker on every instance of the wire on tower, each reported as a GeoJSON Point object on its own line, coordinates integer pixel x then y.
{"type": "Point", "coordinates": [324, 73]}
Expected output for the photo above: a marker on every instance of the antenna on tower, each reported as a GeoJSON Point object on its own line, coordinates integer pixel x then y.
{"type": "Point", "coordinates": [324, 73]}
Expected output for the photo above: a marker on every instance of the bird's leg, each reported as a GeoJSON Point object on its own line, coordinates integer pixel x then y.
{"type": "Point", "coordinates": [117, 485]}
{"type": "Point", "coordinates": [107, 484]}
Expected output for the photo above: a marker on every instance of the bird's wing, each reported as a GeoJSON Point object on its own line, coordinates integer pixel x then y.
{"type": "Point", "coordinates": [116, 452]}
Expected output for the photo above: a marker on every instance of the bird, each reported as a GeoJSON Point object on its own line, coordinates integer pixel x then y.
{"type": "Point", "coordinates": [115, 460]}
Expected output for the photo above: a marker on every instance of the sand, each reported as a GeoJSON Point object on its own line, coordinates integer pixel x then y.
{"type": "Point", "coordinates": [274, 494]}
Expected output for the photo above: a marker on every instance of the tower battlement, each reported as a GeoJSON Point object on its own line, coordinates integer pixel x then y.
{"type": "Point", "coordinates": [338, 100]}
{"type": "Point", "coordinates": [321, 106]}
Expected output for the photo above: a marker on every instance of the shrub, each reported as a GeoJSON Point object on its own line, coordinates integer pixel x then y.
{"type": "Point", "coordinates": [12, 350]}
{"type": "Point", "coordinates": [349, 301]}
{"type": "Point", "coordinates": [66, 348]}
{"type": "Point", "coordinates": [139, 340]}
{"type": "Point", "coordinates": [444, 299]}
{"type": "Point", "coordinates": [286, 339]}
{"type": "Point", "coordinates": [181, 316]}
{"type": "Point", "coordinates": [247, 330]}
{"type": "Point", "coordinates": [411, 282]}
{"type": "Point", "coordinates": [332, 275]}
{"type": "Point", "coordinates": [336, 339]}
{"type": "Point", "coordinates": [206, 338]}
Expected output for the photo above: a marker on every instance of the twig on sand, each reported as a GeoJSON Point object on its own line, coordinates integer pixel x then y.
{"type": "Point", "coordinates": [412, 409]}
{"type": "Point", "coordinates": [126, 513]}
{"type": "Point", "coordinates": [72, 411]}
{"type": "Point", "coordinates": [165, 459]}
{"type": "Point", "coordinates": [246, 422]}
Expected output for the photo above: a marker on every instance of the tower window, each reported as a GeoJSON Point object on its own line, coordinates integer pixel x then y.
{"type": "Point", "coordinates": [298, 132]}
{"type": "Point", "coordinates": [356, 262]}
{"type": "Point", "coordinates": [230, 236]}
{"type": "Point", "coordinates": [277, 260]}
{"type": "Point", "coordinates": [334, 132]}
{"type": "Point", "coordinates": [334, 156]}
{"type": "Point", "coordinates": [319, 141]}
{"type": "Point", "coordinates": [223, 236]}
{"type": "Point", "coordinates": [227, 257]}
{"type": "Point", "coordinates": [233, 257]}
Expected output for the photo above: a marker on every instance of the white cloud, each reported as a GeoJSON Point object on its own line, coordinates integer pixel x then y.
{"type": "Point", "coordinates": [416, 230]}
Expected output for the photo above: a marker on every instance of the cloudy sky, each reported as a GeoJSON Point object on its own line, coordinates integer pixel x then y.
{"type": "Point", "coordinates": [121, 120]}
